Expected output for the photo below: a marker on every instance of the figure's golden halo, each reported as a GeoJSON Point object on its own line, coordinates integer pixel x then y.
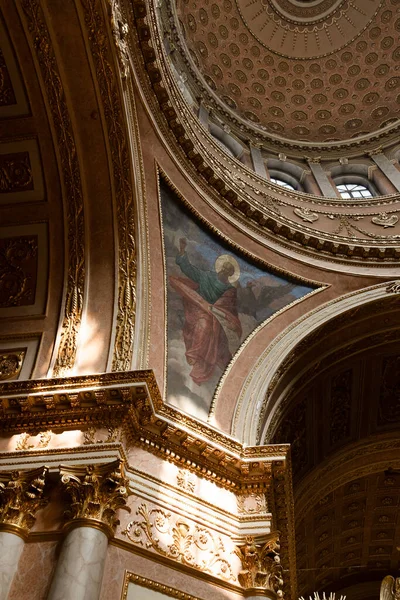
{"type": "Point", "coordinates": [227, 258]}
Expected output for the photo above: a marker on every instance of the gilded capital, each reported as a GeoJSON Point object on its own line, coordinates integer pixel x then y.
{"type": "Point", "coordinates": [96, 493]}
{"type": "Point", "coordinates": [261, 565]}
{"type": "Point", "coordinates": [21, 495]}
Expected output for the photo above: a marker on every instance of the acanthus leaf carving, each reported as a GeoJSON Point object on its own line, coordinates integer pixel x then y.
{"type": "Point", "coordinates": [21, 496]}
{"type": "Point", "coordinates": [196, 547]}
{"type": "Point", "coordinates": [261, 564]}
{"type": "Point", "coordinates": [96, 492]}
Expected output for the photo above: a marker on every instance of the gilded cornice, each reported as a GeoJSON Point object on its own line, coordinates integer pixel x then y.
{"type": "Point", "coordinates": [42, 46]}
{"type": "Point", "coordinates": [132, 400]}
{"type": "Point", "coordinates": [118, 143]}
{"type": "Point", "coordinates": [251, 200]}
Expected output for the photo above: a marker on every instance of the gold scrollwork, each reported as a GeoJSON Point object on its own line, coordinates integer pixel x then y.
{"type": "Point", "coordinates": [113, 113]}
{"type": "Point", "coordinates": [25, 438]}
{"type": "Point", "coordinates": [186, 542]}
{"type": "Point", "coordinates": [11, 363]}
{"type": "Point", "coordinates": [42, 44]}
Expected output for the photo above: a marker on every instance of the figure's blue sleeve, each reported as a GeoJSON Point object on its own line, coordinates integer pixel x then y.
{"type": "Point", "coordinates": [194, 273]}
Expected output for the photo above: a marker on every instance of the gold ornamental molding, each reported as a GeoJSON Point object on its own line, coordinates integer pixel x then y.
{"type": "Point", "coordinates": [96, 493]}
{"type": "Point", "coordinates": [132, 401]}
{"type": "Point", "coordinates": [191, 545]}
{"type": "Point", "coordinates": [153, 585]}
{"type": "Point", "coordinates": [21, 496]}
{"type": "Point", "coordinates": [119, 148]}
{"type": "Point", "coordinates": [75, 253]}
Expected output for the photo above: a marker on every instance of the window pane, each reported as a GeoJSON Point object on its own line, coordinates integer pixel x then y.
{"type": "Point", "coordinates": [353, 190]}
{"type": "Point", "coordinates": [282, 183]}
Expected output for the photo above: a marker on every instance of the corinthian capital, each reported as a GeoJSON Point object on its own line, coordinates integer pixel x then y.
{"type": "Point", "coordinates": [261, 568]}
{"type": "Point", "coordinates": [21, 495]}
{"type": "Point", "coordinates": [96, 492]}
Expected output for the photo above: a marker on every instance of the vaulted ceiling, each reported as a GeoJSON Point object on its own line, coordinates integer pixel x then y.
{"type": "Point", "coordinates": [311, 71]}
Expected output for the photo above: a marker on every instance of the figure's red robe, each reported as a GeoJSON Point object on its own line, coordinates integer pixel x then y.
{"type": "Point", "coordinates": [205, 340]}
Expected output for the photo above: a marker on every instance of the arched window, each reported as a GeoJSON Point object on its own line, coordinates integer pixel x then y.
{"type": "Point", "coordinates": [353, 190]}
{"type": "Point", "coordinates": [282, 183]}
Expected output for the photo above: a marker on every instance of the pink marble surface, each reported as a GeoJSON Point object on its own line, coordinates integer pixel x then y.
{"type": "Point", "coordinates": [119, 561]}
{"type": "Point", "coordinates": [34, 571]}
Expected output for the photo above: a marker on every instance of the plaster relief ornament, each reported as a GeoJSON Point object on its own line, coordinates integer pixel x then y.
{"type": "Point", "coordinates": [385, 220]}
{"type": "Point", "coordinates": [261, 565]}
{"type": "Point", "coordinates": [306, 214]}
{"type": "Point", "coordinates": [175, 538]}
{"type": "Point", "coordinates": [390, 588]}
{"type": "Point", "coordinates": [393, 287]}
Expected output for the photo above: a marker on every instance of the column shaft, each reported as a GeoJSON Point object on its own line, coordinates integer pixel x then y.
{"type": "Point", "coordinates": [387, 168]}
{"type": "Point", "coordinates": [11, 546]}
{"type": "Point", "coordinates": [80, 567]}
{"type": "Point", "coordinates": [258, 163]}
{"type": "Point", "coordinates": [322, 179]}
{"type": "Point", "coordinates": [203, 115]}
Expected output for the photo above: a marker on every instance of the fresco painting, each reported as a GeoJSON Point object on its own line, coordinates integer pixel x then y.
{"type": "Point", "coordinates": [215, 299]}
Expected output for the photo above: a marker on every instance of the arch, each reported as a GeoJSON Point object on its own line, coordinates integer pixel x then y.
{"type": "Point", "coordinates": [226, 141]}
{"type": "Point", "coordinates": [357, 174]}
{"type": "Point", "coordinates": [255, 408]}
{"type": "Point", "coordinates": [286, 172]}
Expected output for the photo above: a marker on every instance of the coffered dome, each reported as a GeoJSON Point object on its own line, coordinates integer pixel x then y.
{"type": "Point", "coordinates": [305, 70]}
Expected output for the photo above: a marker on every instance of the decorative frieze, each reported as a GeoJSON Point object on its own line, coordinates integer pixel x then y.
{"type": "Point", "coordinates": [21, 496]}
{"type": "Point", "coordinates": [177, 539]}
{"type": "Point", "coordinates": [96, 493]}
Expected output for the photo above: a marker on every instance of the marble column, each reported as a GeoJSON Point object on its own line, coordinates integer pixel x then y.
{"type": "Point", "coordinates": [96, 493]}
{"type": "Point", "coordinates": [11, 547]}
{"type": "Point", "coordinates": [21, 495]}
{"type": "Point", "coordinates": [80, 566]}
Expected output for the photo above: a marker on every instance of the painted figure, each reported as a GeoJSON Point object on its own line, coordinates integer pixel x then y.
{"type": "Point", "coordinates": [212, 324]}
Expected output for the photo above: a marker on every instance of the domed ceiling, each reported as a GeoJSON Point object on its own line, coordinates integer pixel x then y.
{"type": "Point", "coordinates": [309, 70]}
